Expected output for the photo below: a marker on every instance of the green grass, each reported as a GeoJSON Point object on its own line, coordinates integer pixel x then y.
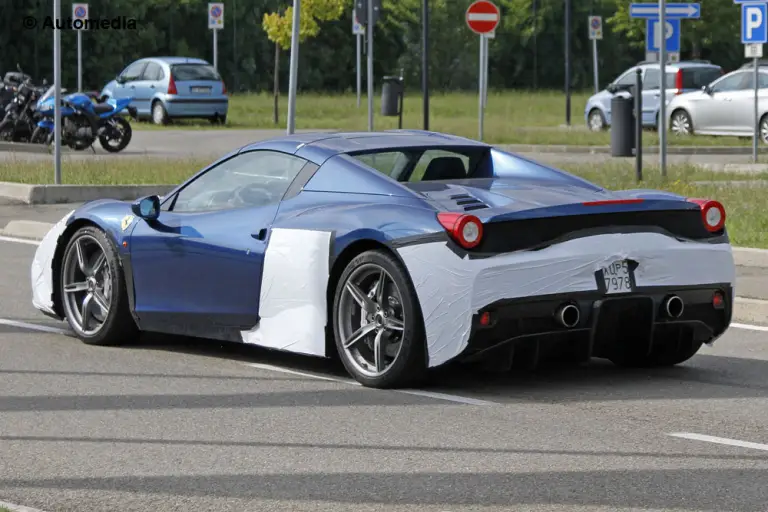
{"type": "Point", "coordinates": [3, 509]}
{"type": "Point", "coordinates": [747, 215]}
{"type": "Point", "coordinates": [511, 117]}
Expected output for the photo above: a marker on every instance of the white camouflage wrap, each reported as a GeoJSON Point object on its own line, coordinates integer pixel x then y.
{"type": "Point", "coordinates": [451, 289]}
{"type": "Point", "coordinates": [42, 267]}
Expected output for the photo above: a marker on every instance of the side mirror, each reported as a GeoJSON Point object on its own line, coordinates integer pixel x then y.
{"type": "Point", "coordinates": [611, 88]}
{"type": "Point", "coordinates": [120, 79]}
{"type": "Point", "coordinates": [148, 208]}
{"type": "Point", "coordinates": [707, 89]}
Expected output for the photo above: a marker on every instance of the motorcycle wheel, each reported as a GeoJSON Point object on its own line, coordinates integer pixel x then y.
{"type": "Point", "coordinates": [6, 130]}
{"type": "Point", "coordinates": [39, 135]}
{"type": "Point", "coordinates": [122, 142]}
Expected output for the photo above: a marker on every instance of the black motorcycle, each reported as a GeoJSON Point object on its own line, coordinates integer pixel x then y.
{"type": "Point", "coordinates": [20, 120]}
{"type": "Point", "coordinates": [9, 85]}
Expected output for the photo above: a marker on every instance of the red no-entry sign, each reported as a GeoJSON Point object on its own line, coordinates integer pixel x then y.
{"type": "Point", "coordinates": [483, 17]}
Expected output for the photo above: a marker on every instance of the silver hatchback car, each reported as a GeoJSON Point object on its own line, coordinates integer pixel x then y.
{"type": "Point", "coordinates": [724, 107]}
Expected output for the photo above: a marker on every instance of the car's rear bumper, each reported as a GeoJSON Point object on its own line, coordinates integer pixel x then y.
{"type": "Point", "coordinates": [183, 106]}
{"type": "Point", "coordinates": [603, 320]}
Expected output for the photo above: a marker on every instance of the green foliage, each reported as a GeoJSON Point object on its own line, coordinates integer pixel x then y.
{"type": "Point", "coordinates": [278, 27]}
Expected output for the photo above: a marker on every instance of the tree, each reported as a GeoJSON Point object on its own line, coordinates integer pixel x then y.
{"type": "Point", "coordinates": [279, 29]}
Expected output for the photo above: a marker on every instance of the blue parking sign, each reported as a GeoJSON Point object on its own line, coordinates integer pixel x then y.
{"type": "Point", "coordinates": [654, 35]}
{"type": "Point", "coordinates": [754, 29]}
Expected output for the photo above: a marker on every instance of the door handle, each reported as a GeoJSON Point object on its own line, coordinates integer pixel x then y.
{"type": "Point", "coordinates": [151, 86]}
{"type": "Point", "coordinates": [133, 87]}
{"type": "Point", "coordinates": [261, 235]}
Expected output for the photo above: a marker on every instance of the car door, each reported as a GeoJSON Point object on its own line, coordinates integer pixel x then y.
{"type": "Point", "coordinates": [715, 113]}
{"type": "Point", "coordinates": [197, 268]}
{"type": "Point", "coordinates": [744, 102]}
{"type": "Point", "coordinates": [126, 81]}
{"type": "Point", "coordinates": [146, 86]}
{"type": "Point", "coordinates": [651, 94]}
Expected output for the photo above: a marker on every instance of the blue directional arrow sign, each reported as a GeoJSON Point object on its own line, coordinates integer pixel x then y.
{"type": "Point", "coordinates": [679, 11]}
{"type": "Point", "coordinates": [754, 23]}
{"type": "Point", "coordinates": [654, 34]}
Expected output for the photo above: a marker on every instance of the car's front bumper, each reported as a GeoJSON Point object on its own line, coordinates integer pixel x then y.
{"type": "Point", "coordinates": [604, 321]}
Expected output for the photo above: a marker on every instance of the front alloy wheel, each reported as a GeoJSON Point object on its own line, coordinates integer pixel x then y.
{"type": "Point", "coordinates": [378, 328]}
{"type": "Point", "coordinates": [681, 123]}
{"type": "Point", "coordinates": [87, 285]}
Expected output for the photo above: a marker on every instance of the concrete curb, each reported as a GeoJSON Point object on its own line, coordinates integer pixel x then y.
{"type": "Point", "coordinates": [18, 508]}
{"type": "Point", "coordinates": [56, 194]}
{"type": "Point", "coordinates": [750, 311]}
{"type": "Point", "coordinates": [671, 150]}
{"type": "Point", "coordinates": [23, 147]}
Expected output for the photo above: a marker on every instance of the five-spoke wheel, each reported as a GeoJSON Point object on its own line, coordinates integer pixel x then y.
{"type": "Point", "coordinates": [92, 289]}
{"type": "Point", "coordinates": [377, 322]}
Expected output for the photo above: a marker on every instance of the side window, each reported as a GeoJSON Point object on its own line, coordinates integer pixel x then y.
{"type": "Point", "coordinates": [133, 72]}
{"type": "Point", "coordinates": [388, 163]}
{"type": "Point", "coordinates": [437, 164]}
{"type": "Point", "coordinates": [627, 78]}
{"type": "Point", "coordinates": [248, 180]}
{"type": "Point", "coordinates": [762, 81]}
{"type": "Point", "coordinates": [153, 72]}
{"type": "Point", "coordinates": [729, 83]}
{"type": "Point", "coordinates": [651, 79]}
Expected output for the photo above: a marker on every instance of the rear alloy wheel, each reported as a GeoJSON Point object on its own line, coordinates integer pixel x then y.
{"type": "Point", "coordinates": [377, 322]}
{"type": "Point", "coordinates": [764, 129]}
{"type": "Point", "coordinates": [681, 123]}
{"type": "Point", "coordinates": [595, 121]}
{"type": "Point", "coordinates": [159, 115]}
{"type": "Point", "coordinates": [93, 292]}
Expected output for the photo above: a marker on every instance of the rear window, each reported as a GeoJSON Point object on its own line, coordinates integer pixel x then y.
{"type": "Point", "coordinates": [694, 78]}
{"type": "Point", "coordinates": [190, 72]}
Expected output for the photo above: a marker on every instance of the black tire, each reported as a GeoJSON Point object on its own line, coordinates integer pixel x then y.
{"type": "Point", "coordinates": [158, 113]}
{"type": "Point", "coordinates": [409, 366]}
{"type": "Point", "coordinates": [124, 141]}
{"type": "Point", "coordinates": [763, 129]}
{"type": "Point", "coordinates": [596, 115]}
{"type": "Point", "coordinates": [683, 119]}
{"type": "Point", "coordinates": [39, 135]}
{"type": "Point", "coordinates": [6, 130]}
{"type": "Point", "coordinates": [118, 327]}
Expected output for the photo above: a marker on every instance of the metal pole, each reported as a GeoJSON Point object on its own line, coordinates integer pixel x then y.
{"type": "Point", "coordinates": [567, 36]}
{"type": "Point", "coordinates": [639, 125]}
{"type": "Point", "coordinates": [663, 89]}
{"type": "Point", "coordinates": [480, 89]}
{"type": "Point", "coordinates": [485, 40]}
{"type": "Point", "coordinates": [425, 60]}
{"type": "Point", "coordinates": [369, 33]}
{"type": "Point", "coordinates": [57, 93]}
{"type": "Point", "coordinates": [294, 67]}
{"type": "Point", "coordinates": [757, 115]}
{"type": "Point", "coordinates": [80, 60]}
{"type": "Point", "coordinates": [535, 49]}
{"type": "Point", "coordinates": [594, 64]}
{"type": "Point", "coordinates": [359, 65]}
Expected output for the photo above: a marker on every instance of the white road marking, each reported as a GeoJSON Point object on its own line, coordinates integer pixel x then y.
{"type": "Point", "coordinates": [720, 440]}
{"type": "Point", "coordinates": [18, 508]}
{"type": "Point", "coordinates": [760, 328]}
{"type": "Point", "coordinates": [18, 240]}
{"type": "Point", "coordinates": [429, 394]}
{"type": "Point", "coordinates": [33, 327]}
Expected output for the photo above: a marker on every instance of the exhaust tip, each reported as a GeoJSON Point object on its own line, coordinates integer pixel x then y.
{"type": "Point", "coordinates": [674, 306]}
{"type": "Point", "coordinates": [568, 315]}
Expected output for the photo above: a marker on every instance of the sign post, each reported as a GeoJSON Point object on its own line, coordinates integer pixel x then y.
{"type": "Point", "coordinates": [754, 33]}
{"type": "Point", "coordinates": [293, 77]}
{"type": "Point", "coordinates": [216, 23]}
{"type": "Point", "coordinates": [57, 93]}
{"type": "Point", "coordinates": [483, 18]}
{"type": "Point", "coordinates": [661, 14]}
{"type": "Point", "coordinates": [358, 29]}
{"type": "Point", "coordinates": [79, 12]}
{"type": "Point", "coordinates": [595, 33]}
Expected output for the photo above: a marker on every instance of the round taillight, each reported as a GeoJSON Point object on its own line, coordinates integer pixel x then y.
{"type": "Point", "coordinates": [712, 214]}
{"type": "Point", "coordinates": [467, 230]}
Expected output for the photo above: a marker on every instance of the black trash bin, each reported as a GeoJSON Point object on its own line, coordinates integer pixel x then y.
{"type": "Point", "coordinates": [391, 94]}
{"type": "Point", "coordinates": [622, 126]}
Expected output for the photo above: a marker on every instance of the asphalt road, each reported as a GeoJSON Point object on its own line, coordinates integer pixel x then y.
{"type": "Point", "coordinates": [170, 424]}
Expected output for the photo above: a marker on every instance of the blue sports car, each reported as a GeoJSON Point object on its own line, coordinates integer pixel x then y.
{"type": "Point", "coordinates": [397, 251]}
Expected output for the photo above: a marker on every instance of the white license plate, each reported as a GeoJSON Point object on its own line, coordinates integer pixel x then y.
{"type": "Point", "coordinates": [617, 278]}
{"type": "Point", "coordinates": [204, 90]}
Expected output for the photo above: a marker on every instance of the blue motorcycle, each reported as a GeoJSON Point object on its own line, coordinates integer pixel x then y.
{"type": "Point", "coordinates": [84, 119]}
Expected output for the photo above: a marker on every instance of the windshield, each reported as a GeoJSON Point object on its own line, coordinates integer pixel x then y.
{"type": "Point", "coordinates": [189, 72]}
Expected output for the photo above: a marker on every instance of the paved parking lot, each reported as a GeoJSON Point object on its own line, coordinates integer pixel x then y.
{"type": "Point", "coordinates": [173, 424]}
